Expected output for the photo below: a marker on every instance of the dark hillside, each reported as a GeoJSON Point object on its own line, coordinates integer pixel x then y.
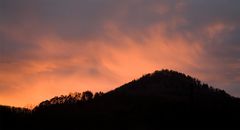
{"type": "Point", "coordinates": [161, 99]}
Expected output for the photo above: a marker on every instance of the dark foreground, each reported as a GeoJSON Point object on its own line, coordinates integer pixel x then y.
{"type": "Point", "coordinates": [159, 100]}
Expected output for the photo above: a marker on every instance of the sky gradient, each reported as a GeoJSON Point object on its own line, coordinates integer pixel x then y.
{"type": "Point", "coordinates": [53, 47]}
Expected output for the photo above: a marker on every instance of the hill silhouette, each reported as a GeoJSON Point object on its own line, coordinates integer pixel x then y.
{"type": "Point", "coordinates": [162, 99]}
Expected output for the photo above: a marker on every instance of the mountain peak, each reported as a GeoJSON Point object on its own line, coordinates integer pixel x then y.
{"type": "Point", "coordinates": [170, 84]}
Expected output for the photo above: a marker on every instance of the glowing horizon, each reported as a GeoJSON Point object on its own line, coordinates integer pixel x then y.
{"type": "Point", "coordinates": [50, 48]}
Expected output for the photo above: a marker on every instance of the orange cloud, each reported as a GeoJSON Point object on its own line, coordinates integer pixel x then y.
{"type": "Point", "coordinates": [63, 67]}
{"type": "Point", "coordinates": [54, 50]}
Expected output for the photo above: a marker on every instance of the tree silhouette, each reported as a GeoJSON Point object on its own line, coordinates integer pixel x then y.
{"type": "Point", "coordinates": [98, 94]}
{"type": "Point", "coordinates": [87, 95]}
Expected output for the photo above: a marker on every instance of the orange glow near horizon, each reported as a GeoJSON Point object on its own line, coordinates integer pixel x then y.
{"type": "Point", "coordinates": [53, 49]}
{"type": "Point", "coordinates": [117, 65]}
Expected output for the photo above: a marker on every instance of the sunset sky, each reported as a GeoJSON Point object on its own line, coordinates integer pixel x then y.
{"type": "Point", "coordinates": [53, 47]}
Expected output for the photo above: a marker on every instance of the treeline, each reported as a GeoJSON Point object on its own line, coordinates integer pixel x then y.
{"type": "Point", "coordinates": [72, 98]}
{"type": "Point", "coordinates": [11, 109]}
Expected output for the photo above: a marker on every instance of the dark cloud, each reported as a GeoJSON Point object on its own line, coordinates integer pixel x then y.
{"type": "Point", "coordinates": [105, 39]}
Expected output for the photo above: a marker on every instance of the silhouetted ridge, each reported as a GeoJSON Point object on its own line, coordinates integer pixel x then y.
{"type": "Point", "coordinates": [164, 98]}
{"type": "Point", "coordinates": [171, 84]}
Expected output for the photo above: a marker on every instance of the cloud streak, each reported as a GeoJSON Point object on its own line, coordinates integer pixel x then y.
{"type": "Point", "coordinates": [54, 47]}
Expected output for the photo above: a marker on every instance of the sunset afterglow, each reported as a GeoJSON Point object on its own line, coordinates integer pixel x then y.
{"type": "Point", "coordinates": [55, 47]}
